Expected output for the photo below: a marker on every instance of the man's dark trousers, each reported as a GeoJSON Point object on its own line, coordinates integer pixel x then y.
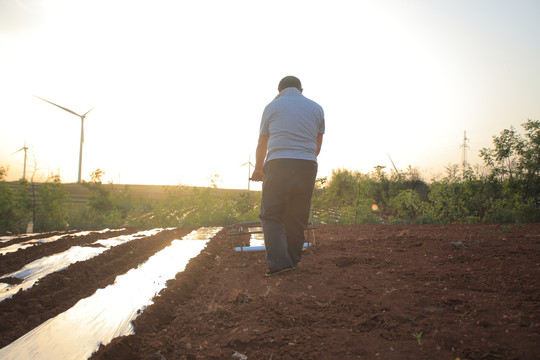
{"type": "Point", "coordinates": [286, 201]}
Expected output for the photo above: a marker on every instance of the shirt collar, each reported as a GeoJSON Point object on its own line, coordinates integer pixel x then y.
{"type": "Point", "coordinates": [288, 91]}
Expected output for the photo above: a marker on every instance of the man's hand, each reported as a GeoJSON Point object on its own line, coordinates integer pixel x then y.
{"type": "Point", "coordinates": [262, 145]}
{"type": "Point", "coordinates": [257, 175]}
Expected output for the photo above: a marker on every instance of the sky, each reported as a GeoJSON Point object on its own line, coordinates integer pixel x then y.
{"type": "Point", "coordinates": [177, 88]}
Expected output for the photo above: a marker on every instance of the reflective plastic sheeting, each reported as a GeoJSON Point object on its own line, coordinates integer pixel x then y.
{"type": "Point", "coordinates": [256, 239]}
{"type": "Point", "coordinates": [34, 271]}
{"type": "Point", "coordinates": [261, 248]}
{"type": "Point", "coordinates": [78, 332]}
{"type": "Point", "coordinates": [37, 269]}
{"type": "Point", "coordinates": [119, 240]}
{"type": "Point", "coordinates": [29, 243]}
{"type": "Point", "coordinates": [7, 238]}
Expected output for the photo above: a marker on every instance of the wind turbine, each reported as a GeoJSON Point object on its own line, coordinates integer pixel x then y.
{"type": "Point", "coordinates": [25, 148]}
{"type": "Point", "coordinates": [249, 164]}
{"type": "Point", "coordinates": [395, 168]}
{"type": "Point", "coordinates": [82, 130]}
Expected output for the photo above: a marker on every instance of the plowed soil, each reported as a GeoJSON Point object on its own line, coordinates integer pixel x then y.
{"type": "Point", "coordinates": [363, 292]}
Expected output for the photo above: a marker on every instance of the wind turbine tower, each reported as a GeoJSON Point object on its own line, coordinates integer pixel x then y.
{"type": "Point", "coordinates": [82, 131]}
{"type": "Point", "coordinates": [465, 146]}
{"type": "Point", "coordinates": [249, 164]}
{"type": "Point", "coordinates": [25, 148]}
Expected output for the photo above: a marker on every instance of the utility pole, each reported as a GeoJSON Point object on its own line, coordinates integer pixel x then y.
{"type": "Point", "coordinates": [465, 146]}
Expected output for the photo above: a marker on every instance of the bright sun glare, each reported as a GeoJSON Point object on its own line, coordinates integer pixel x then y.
{"type": "Point", "coordinates": [179, 88]}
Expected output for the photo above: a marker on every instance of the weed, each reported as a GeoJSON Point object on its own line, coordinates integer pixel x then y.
{"type": "Point", "coordinates": [507, 229]}
{"type": "Point", "coordinates": [410, 318]}
{"type": "Point", "coordinates": [417, 336]}
{"type": "Point", "coordinates": [213, 307]}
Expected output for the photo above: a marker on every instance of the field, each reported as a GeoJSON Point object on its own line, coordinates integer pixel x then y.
{"type": "Point", "coordinates": [363, 292]}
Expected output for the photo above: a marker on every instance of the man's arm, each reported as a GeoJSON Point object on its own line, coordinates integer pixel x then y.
{"type": "Point", "coordinates": [260, 154]}
{"type": "Point", "coordinates": [319, 143]}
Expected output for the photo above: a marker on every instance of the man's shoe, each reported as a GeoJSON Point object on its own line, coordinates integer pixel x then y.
{"type": "Point", "coordinates": [281, 271]}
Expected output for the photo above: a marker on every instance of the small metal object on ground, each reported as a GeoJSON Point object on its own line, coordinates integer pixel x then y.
{"type": "Point", "coordinates": [255, 227]}
{"type": "Point", "coordinates": [237, 355]}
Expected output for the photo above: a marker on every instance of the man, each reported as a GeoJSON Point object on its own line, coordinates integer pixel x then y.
{"type": "Point", "coordinates": [290, 139]}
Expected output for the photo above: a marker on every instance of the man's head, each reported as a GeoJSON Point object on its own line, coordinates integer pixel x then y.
{"type": "Point", "coordinates": [290, 81]}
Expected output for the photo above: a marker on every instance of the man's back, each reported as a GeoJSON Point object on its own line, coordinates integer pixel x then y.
{"type": "Point", "coordinates": [293, 123]}
{"type": "Point", "coordinates": [290, 139]}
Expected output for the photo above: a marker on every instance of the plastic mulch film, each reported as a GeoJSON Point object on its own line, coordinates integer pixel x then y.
{"type": "Point", "coordinates": [39, 268]}
{"type": "Point", "coordinates": [78, 332]}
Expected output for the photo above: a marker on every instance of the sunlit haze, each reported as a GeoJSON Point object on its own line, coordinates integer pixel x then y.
{"type": "Point", "coordinates": [179, 86]}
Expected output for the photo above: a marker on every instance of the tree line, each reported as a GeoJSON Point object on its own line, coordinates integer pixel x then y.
{"type": "Point", "coordinates": [505, 190]}
{"type": "Point", "coordinates": [109, 205]}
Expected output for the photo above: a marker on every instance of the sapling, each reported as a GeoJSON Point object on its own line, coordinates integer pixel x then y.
{"type": "Point", "coordinates": [417, 336]}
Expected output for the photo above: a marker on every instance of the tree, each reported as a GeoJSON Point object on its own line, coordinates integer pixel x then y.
{"type": "Point", "coordinates": [96, 176]}
{"type": "Point", "coordinates": [53, 205]}
{"type": "Point", "coordinates": [14, 204]}
{"type": "Point", "coordinates": [407, 205]}
{"type": "Point", "coordinates": [100, 198]}
{"type": "Point", "coordinates": [5, 201]}
{"type": "Point", "coordinates": [515, 163]}
{"type": "Point", "coordinates": [529, 162]}
{"type": "Point", "coordinates": [517, 158]}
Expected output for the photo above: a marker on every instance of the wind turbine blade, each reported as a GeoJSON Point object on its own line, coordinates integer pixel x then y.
{"type": "Point", "coordinates": [61, 107]}
{"type": "Point", "coordinates": [395, 168]}
{"type": "Point", "coordinates": [89, 111]}
{"type": "Point", "coordinates": [17, 151]}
